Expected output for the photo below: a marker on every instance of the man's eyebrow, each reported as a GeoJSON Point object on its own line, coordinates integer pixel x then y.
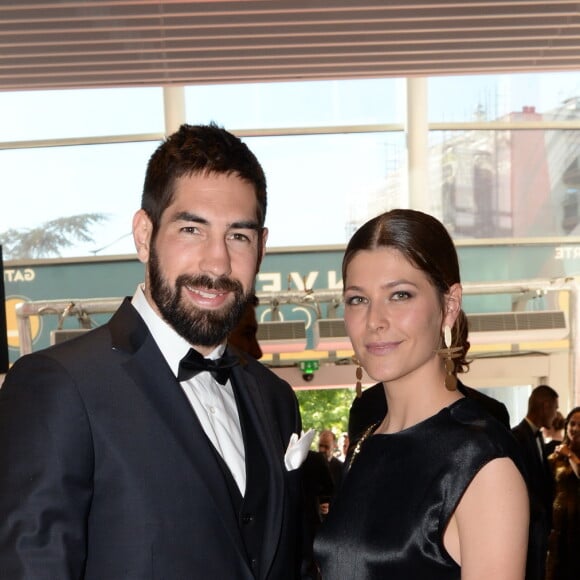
{"type": "Point", "coordinates": [245, 225]}
{"type": "Point", "coordinates": [185, 216]}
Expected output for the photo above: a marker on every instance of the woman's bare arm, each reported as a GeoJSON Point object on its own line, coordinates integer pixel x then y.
{"type": "Point", "coordinates": [488, 534]}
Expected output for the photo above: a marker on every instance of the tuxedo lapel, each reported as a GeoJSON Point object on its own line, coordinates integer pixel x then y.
{"type": "Point", "coordinates": [249, 390]}
{"type": "Point", "coordinates": [151, 374]}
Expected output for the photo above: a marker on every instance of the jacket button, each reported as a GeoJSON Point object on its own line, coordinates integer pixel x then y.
{"type": "Point", "coordinates": [247, 518]}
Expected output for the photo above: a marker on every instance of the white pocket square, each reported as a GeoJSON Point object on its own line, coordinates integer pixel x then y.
{"type": "Point", "coordinates": [298, 449]}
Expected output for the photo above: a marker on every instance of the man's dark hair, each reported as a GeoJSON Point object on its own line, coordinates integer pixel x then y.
{"type": "Point", "coordinates": [199, 150]}
{"type": "Point", "coordinates": [540, 395]}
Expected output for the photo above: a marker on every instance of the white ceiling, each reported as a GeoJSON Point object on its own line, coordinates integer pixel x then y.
{"type": "Point", "coordinates": [101, 43]}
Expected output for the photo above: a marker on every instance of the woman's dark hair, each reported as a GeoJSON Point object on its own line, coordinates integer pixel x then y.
{"type": "Point", "coordinates": [199, 149]}
{"type": "Point", "coordinates": [425, 242]}
{"type": "Point", "coordinates": [568, 417]}
{"type": "Point", "coordinates": [559, 422]}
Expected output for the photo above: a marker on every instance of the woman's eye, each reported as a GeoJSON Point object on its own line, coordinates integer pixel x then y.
{"type": "Point", "coordinates": [354, 300]}
{"type": "Point", "coordinates": [400, 295]}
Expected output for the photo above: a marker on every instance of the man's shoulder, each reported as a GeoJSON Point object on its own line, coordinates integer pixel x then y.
{"type": "Point", "coordinates": [263, 375]}
{"type": "Point", "coordinates": [522, 431]}
{"type": "Point", "coordinates": [371, 396]}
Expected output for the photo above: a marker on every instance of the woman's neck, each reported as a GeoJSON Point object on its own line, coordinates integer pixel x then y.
{"type": "Point", "coordinates": [414, 399]}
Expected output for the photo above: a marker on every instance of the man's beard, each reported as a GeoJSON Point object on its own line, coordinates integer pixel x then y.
{"type": "Point", "coordinates": [198, 327]}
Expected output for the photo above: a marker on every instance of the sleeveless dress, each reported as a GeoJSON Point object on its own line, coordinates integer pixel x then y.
{"type": "Point", "coordinates": [564, 543]}
{"type": "Point", "coordinates": [394, 505]}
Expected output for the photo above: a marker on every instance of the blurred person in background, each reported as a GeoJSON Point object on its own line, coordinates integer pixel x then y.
{"type": "Point", "coordinates": [563, 561]}
{"type": "Point", "coordinates": [542, 409]}
{"type": "Point", "coordinates": [555, 434]}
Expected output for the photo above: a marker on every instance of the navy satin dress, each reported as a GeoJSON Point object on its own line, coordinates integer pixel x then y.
{"type": "Point", "coordinates": [389, 519]}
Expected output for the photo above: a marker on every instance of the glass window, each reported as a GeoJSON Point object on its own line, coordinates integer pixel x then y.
{"type": "Point", "coordinates": [515, 398]}
{"type": "Point", "coordinates": [492, 97]}
{"type": "Point", "coordinates": [43, 185]}
{"type": "Point", "coordinates": [314, 103]}
{"type": "Point", "coordinates": [34, 115]}
{"type": "Point", "coordinates": [322, 187]}
{"type": "Point", "coordinates": [497, 184]}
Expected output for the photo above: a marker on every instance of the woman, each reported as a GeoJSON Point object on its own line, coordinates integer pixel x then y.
{"type": "Point", "coordinates": [433, 491]}
{"type": "Point", "coordinates": [564, 541]}
{"type": "Point", "coordinates": [555, 435]}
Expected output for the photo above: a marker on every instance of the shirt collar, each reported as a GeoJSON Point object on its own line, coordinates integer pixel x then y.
{"type": "Point", "coordinates": [533, 427]}
{"type": "Point", "coordinates": [172, 345]}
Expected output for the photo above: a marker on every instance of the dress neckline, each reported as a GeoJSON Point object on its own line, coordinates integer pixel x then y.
{"type": "Point", "coordinates": [370, 431]}
{"type": "Point", "coordinates": [446, 409]}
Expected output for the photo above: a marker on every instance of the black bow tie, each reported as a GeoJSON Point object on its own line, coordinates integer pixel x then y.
{"type": "Point", "coordinates": [193, 363]}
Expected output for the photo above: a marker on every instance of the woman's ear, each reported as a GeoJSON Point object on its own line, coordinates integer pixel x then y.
{"type": "Point", "coordinates": [142, 228]}
{"type": "Point", "coordinates": [452, 305]}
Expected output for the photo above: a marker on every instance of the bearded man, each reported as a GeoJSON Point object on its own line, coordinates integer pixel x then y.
{"type": "Point", "coordinates": [148, 448]}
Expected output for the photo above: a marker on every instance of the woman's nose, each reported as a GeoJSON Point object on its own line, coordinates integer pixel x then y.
{"type": "Point", "coordinates": [377, 318]}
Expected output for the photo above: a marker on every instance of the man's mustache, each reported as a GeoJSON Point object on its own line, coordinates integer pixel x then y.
{"type": "Point", "coordinates": [221, 284]}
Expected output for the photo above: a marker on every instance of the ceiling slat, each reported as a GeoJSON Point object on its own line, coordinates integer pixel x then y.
{"type": "Point", "coordinates": [100, 43]}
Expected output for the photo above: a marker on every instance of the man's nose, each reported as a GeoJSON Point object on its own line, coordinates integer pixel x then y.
{"type": "Point", "coordinates": [216, 258]}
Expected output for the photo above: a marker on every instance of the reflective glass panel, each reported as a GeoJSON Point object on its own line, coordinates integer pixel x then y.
{"type": "Point", "coordinates": [315, 103]}
{"type": "Point", "coordinates": [44, 189]}
{"type": "Point", "coordinates": [496, 184]}
{"type": "Point", "coordinates": [323, 187]}
{"type": "Point", "coordinates": [492, 97]}
{"type": "Point", "coordinates": [37, 115]}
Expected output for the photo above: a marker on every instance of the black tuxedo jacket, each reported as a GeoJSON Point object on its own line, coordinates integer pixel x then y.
{"type": "Point", "coordinates": [539, 475]}
{"type": "Point", "coordinates": [540, 485]}
{"type": "Point", "coordinates": [106, 473]}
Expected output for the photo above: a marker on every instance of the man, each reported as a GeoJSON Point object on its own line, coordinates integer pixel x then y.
{"type": "Point", "coordinates": [125, 453]}
{"type": "Point", "coordinates": [327, 445]}
{"type": "Point", "coordinates": [542, 409]}
{"type": "Point", "coordinates": [244, 335]}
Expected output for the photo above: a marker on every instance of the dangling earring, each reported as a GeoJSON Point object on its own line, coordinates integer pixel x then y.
{"type": "Point", "coordinates": [359, 375]}
{"type": "Point", "coordinates": [448, 354]}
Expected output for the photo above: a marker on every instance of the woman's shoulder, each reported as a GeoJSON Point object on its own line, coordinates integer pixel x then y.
{"type": "Point", "coordinates": [476, 426]}
{"type": "Point", "coordinates": [472, 415]}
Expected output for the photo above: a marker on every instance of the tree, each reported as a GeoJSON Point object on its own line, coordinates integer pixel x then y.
{"type": "Point", "coordinates": [48, 239]}
{"type": "Point", "coordinates": [325, 409]}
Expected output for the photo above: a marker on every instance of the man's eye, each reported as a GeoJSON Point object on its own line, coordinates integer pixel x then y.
{"type": "Point", "coordinates": [240, 237]}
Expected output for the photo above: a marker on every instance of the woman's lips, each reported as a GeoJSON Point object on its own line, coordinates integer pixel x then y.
{"type": "Point", "coordinates": [380, 348]}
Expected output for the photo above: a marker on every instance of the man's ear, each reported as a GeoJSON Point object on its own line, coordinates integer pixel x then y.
{"type": "Point", "coordinates": [142, 230]}
{"type": "Point", "coordinates": [262, 248]}
{"type": "Point", "coordinates": [452, 305]}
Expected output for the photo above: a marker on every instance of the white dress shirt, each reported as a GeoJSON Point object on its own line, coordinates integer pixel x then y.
{"type": "Point", "coordinates": [214, 404]}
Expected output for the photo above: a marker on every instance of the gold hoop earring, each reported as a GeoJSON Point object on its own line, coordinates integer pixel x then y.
{"type": "Point", "coordinates": [359, 375]}
{"type": "Point", "coordinates": [448, 354]}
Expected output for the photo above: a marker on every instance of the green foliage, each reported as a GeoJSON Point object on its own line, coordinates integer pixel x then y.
{"type": "Point", "coordinates": [48, 239]}
{"type": "Point", "coordinates": [325, 409]}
